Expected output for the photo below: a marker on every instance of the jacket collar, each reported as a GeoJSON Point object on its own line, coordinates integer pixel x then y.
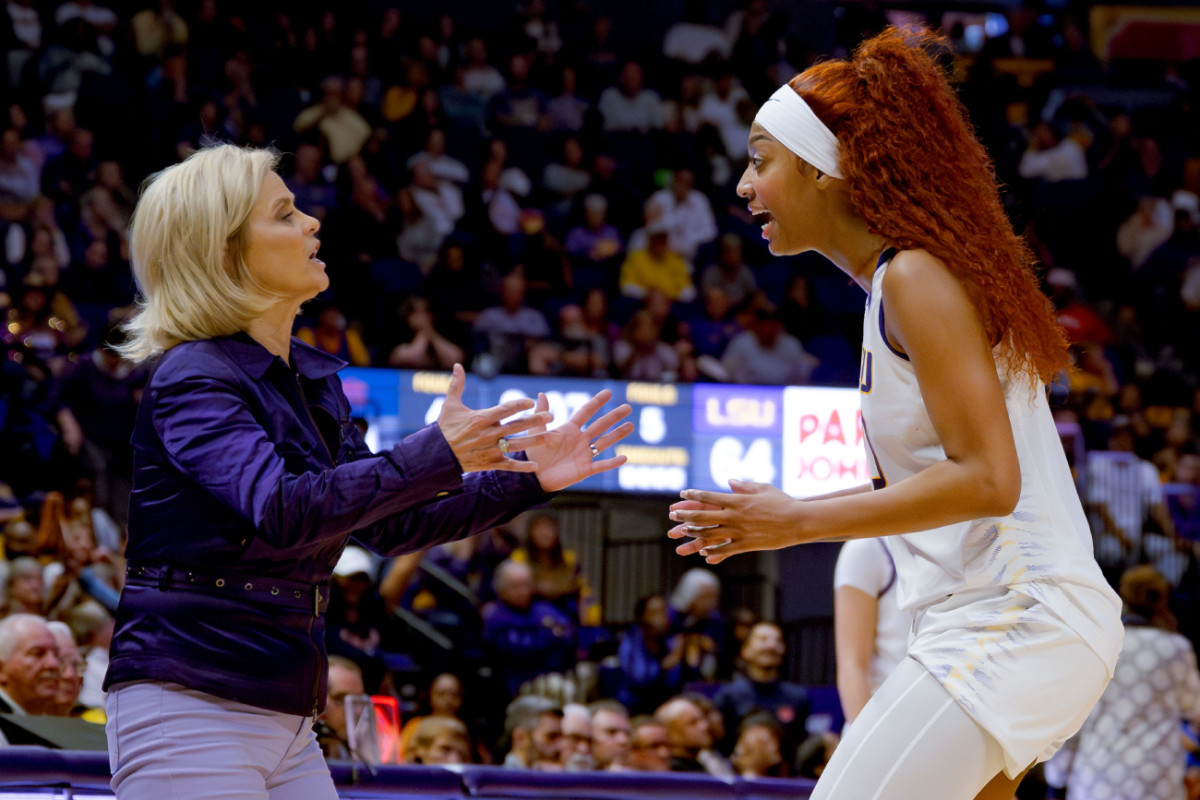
{"type": "Point", "coordinates": [255, 359]}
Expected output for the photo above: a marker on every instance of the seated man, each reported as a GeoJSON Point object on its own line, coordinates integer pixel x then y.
{"type": "Point", "coordinates": [533, 729]}
{"type": "Point", "coordinates": [610, 735]}
{"type": "Point", "coordinates": [30, 670]}
{"type": "Point", "coordinates": [649, 745]}
{"type": "Point", "coordinates": [526, 637]}
{"type": "Point", "coordinates": [759, 688]}
{"type": "Point", "coordinates": [689, 734]}
{"type": "Point", "coordinates": [576, 753]}
{"type": "Point", "coordinates": [345, 678]}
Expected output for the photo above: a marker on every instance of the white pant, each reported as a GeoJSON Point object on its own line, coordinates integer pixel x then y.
{"type": "Point", "coordinates": [913, 741]}
{"type": "Point", "coordinates": [168, 742]}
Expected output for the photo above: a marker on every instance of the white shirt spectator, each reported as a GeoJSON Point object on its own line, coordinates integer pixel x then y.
{"type": "Point", "coordinates": [690, 222]}
{"type": "Point", "coordinates": [1064, 161]}
{"type": "Point", "coordinates": [1131, 744]}
{"type": "Point", "coordinates": [444, 167]}
{"type": "Point", "coordinates": [642, 112]}
{"type": "Point", "coordinates": [721, 113]}
{"type": "Point", "coordinates": [444, 206]}
{"type": "Point", "coordinates": [27, 26]}
{"type": "Point", "coordinates": [1128, 487]}
{"type": "Point", "coordinates": [1148, 227]}
{"type": "Point", "coordinates": [783, 363]}
{"type": "Point", "coordinates": [692, 42]}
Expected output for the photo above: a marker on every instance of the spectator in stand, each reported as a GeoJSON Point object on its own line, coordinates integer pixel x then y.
{"type": "Point", "coordinates": [640, 354]}
{"type": "Point", "coordinates": [1184, 502]}
{"type": "Point", "coordinates": [70, 681]}
{"type": "Point", "coordinates": [719, 108]}
{"type": "Point", "coordinates": [445, 699]}
{"type": "Point", "coordinates": [533, 731]}
{"type": "Point", "coordinates": [443, 166]}
{"type": "Point", "coordinates": [1123, 492]}
{"type": "Point", "coordinates": [92, 625]}
{"type": "Point", "coordinates": [441, 740]}
{"type": "Point", "coordinates": [558, 577]}
{"type": "Point", "coordinates": [24, 592]}
{"type": "Point", "coordinates": [760, 688]}
{"type": "Point", "coordinates": [102, 391]}
{"type": "Point", "coordinates": [67, 176]}
{"type": "Point", "coordinates": [610, 735]}
{"type": "Point", "coordinates": [758, 751]}
{"type": "Point", "coordinates": [649, 745]}
{"type": "Point", "coordinates": [1131, 744]}
{"type": "Point", "coordinates": [516, 114]}
{"type": "Point", "coordinates": [345, 678]}
{"type": "Point", "coordinates": [596, 243]}
{"type": "Point", "coordinates": [688, 733]}
{"type": "Point", "coordinates": [630, 107]}
{"type": "Point", "coordinates": [767, 354]}
{"type": "Point", "coordinates": [1079, 321]}
{"type": "Point", "coordinates": [1053, 158]}
{"type": "Point", "coordinates": [656, 267]}
{"type": "Point", "coordinates": [566, 177]}
{"type": "Point", "coordinates": [314, 194]}
{"type": "Point", "coordinates": [479, 77]}
{"type": "Point", "coordinates": [686, 213]}
{"type": "Point", "coordinates": [1145, 229]}
{"type": "Point", "coordinates": [357, 624]}
{"type": "Point", "coordinates": [694, 614]}
{"type": "Point", "coordinates": [423, 345]}
{"type": "Point", "coordinates": [30, 671]}
{"type": "Point", "coordinates": [651, 662]}
{"type": "Point", "coordinates": [525, 637]}
{"type": "Point", "coordinates": [334, 334]}
{"type": "Point", "coordinates": [344, 129]}
{"type": "Point", "coordinates": [566, 110]}
{"type": "Point", "coordinates": [730, 273]}
{"type": "Point", "coordinates": [504, 333]}
{"type": "Point", "coordinates": [576, 753]}
{"type": "Point", "coordinates": [18, 178]}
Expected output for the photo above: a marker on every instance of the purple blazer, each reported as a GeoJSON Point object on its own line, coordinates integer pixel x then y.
{"type": "Point", "coordinates": [249, 478]}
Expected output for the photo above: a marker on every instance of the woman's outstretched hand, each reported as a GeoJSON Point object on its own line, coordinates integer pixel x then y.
{"type": "Point", "coordinates": [757, 516]}
{"type": "Point", "coordinates": [475, 436]}
{"type": "Point", "coordinates": [568, 454]}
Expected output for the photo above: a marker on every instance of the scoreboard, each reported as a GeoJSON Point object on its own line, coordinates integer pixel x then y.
{"type": "Point", "coordinates": [804, 440]}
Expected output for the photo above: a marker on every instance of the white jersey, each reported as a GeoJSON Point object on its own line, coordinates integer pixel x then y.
{"type": "Point", "coordinates": [866, 565]}
{"type": "Point", "coordinates": [1041, 551]}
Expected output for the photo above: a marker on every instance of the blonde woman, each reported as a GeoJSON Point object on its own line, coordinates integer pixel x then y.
{"type": "Point", "coordinates": [249, 479]}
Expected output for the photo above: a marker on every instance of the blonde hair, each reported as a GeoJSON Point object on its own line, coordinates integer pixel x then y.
{"type": "Point", "coordinates": [187, 239]}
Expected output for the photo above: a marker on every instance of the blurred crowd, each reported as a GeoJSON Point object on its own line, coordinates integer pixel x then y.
{"type": "Point", "coordinates": [530, 197]}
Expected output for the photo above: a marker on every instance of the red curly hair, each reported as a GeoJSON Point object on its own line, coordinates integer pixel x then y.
{"type": "Point", "coordinates": [921, 179]}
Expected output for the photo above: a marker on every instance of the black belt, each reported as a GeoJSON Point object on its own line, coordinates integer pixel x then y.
{"type": "Point", "coordinates": [273, 591]}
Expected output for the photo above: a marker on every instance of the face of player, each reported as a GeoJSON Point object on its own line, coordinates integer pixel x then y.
{"type": "Point", "coordinates": [778, 194]}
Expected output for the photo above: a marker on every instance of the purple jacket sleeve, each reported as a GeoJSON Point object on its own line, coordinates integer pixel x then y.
{"type": "Point", "coordinates": [485, 500]}
{"type": "Point", "coordinates": [209, 433]}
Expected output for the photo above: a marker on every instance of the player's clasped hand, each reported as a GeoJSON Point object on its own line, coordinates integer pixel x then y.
{"type": "Point", "coordinates": [475, 435]}
{"type": "Point", "coordinates": [722, 525]}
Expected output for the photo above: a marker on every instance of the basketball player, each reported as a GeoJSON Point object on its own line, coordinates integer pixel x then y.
{"type": "Point", "coordinates": [872, 162]}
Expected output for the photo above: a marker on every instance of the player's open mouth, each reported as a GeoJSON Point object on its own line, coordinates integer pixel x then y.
{"type": "Point", "coordinates": [763, 219]}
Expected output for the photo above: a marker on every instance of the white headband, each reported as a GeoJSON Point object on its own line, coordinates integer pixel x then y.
{"type": "Point", "coordinates": [789, 119]}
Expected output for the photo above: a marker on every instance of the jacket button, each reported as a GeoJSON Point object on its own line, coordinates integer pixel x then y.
{"type": "Point", "coordinates": [297, 593]}
{"type": "Point", "coordinates": [274, 590]}
{"type": "Point", "coordinates": [248, 586]}
{"type": "Point", "coordinates": [244, 542]}
{"type": "Point", "coordinates": [220, 582]}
